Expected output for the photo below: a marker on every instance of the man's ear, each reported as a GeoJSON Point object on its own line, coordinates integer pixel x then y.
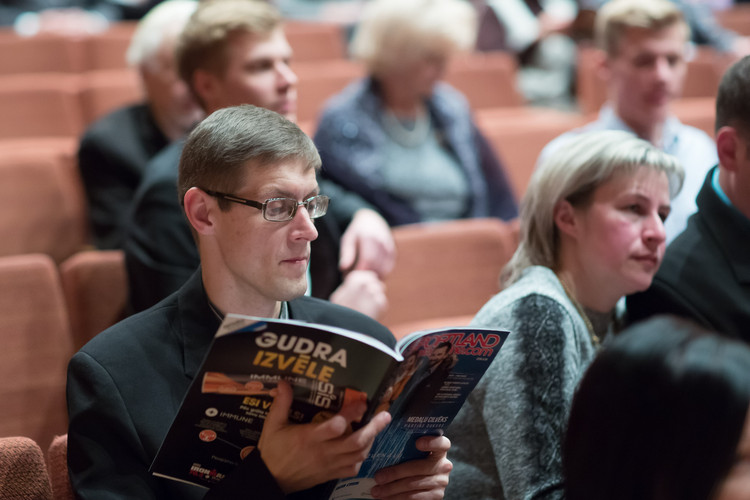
{"type": "Point", "coordinates": [729, 147]}
{"type": "Point", "coordinates": [602, 64]}
{"type": "Point", "coordinates": [205, 85]}
{"type": "Point", "coordinates": [565, 218]}
{"type": "Point", "coordinates": [199, 209]}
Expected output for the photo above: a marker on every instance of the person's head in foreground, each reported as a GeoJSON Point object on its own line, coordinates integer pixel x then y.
{"type": "Point", "coordinates": [247, 182]}
{"type": "Point", "coordinates": [594, 213]}
{"type": "Point", "coordinates": [661, 414]}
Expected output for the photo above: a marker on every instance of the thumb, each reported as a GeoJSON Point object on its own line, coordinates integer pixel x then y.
{"type": "Point", "coordinates": [278, 415]}
{"type": "Point", "coordinates": [347, 252]}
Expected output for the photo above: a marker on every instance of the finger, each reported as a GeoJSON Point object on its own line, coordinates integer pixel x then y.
{"type": "Point", "coordinates": [363, 438]}
{"type": "Point", "coordinates": [433, 444]}
{"type": "Point", "coordinates": [432, 465]}
{"type": "Point", "coordinates": [278, 414]}
{"type": "Point", "coordinates": [412, 487]}
{"type": "Point", "coordinates": [347, 252]}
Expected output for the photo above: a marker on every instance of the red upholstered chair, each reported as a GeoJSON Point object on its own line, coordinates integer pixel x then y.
{"type": "Point", "coordinates": [96, 292]}
{"type": "Point", "coordinates": [487, 79]}
{"type": "Point", "coordinates": [446, 270]}
{"type": "Point", "coordinates": [23, 473]}
{"type": "Point", "coordinates": [104, 91]}
{"type": "Point", "coordinates": [57, 466]}
{"type": "Point", "coordinates": [36, 348]}
{"type": "Point", "coordinates": [40, 105]}
{"type": "Point", "coordinates": [42, 204]}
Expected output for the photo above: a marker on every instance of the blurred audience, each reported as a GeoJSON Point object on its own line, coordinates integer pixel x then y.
{"type": "Point", "coordinates": [592, 231]}
{"type": "Point", "coordinates": [644, 45]}
{"type": "Point", "coordinates": [706, 270]}
{"type": "Point", "coordinates": [662, 412]}
{"type": "Point", "coordinates": [400, 138]}
{"type": "Point", "coordinates": [235, 52]}
{"type": "Point", "coordinates": [69, 17]}
{"type": "Point", "coordinates": [538, 33]}
{"type": "Point", "coordinates": [704, 27]}
{"type": "Point", "coordinates": [116, 149]}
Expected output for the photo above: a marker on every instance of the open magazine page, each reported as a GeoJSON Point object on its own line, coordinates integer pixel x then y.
{"type": "Point", "coordinates": [439, 371]}
{"type": "Point", "coordinates": [222, 415]}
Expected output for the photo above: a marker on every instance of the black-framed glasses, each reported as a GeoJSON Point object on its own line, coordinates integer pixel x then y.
{"type": "Point", "coordinates": [279, 209]}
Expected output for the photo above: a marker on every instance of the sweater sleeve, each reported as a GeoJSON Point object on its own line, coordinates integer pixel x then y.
{"type": "Point", "coordinates": [508, 437]}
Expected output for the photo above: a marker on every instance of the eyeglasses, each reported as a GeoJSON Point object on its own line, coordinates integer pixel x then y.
{"type": "Point", "coordinates": [280, 209]}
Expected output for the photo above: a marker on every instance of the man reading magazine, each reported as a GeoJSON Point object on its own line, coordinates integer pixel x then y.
{"type": "Point", "coordinates": [248, 187]}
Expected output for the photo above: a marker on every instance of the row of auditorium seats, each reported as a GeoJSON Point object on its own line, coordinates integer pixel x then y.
{"type": "Point", "coordinates": [444, 273]}
{"type": "Point", "coordinates": [26, 474]}
{"type": "Point", "coordinates": [43, 208]}
{"type": "Point", "coordinates": [64, 104]}
{"type": "Point", "coordinates": [106, 50]}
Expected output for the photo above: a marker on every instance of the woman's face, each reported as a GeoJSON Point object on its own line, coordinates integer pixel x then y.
{"type": "Point", "coordinates": [619, 235]}
{"type": "Point", "coordinates": [419, 74]}
{"type": "Point", "coordinates": [736, 486]}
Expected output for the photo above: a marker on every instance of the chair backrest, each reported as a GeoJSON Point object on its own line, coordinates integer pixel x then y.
{"type": "Point", "coordinates": [57, 467]}
{"type": "Point", "coordinates": [518, 135]}
{"type": "Point", "coordinates": [40, 54]}
{"type": "Point", "coordinates": [96, 292]}
{"type": "Point", "coordinates": [23, 473]}
{"type": "Point", "coordinates": [319, 80]}
{"type": "Point", "coordinates": [37, 346]}
{"type": "Point", "coordinates": [106, 50]}
{"type": "Point", "coordinates": [42, 204]}
{"type": "Point", "coordinates": [40, 105]}
{"type": "Point", "coordinates": [487, 79]}
{"type": "Point", "coordinates": [316, 41]}
{"type": "Point", "coordinates": [446, 269]}
{"type": "Point", "coordinates": [103, 91]}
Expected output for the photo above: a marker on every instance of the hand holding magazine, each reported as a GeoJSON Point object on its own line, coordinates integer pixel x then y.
{"type": "Point", "coordinates": [422, 383]}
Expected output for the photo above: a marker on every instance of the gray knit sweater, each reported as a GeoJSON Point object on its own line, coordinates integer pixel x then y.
{"type": "Point", "coordinates": [507, 437]}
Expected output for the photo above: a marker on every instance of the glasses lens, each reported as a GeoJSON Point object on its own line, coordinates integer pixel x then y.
{"type": "Point", "coordinates": [279, 209]}
{"type": "Point", "coordinates": [317, 206]}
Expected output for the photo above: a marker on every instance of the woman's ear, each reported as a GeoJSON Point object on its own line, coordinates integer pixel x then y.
{"type": "Point", "coordinates": [198, 209]}
{"type": "Point", "coordinates": [565, 218]}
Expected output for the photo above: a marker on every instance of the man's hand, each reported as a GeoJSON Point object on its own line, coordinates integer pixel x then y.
{"type": "Point", "coordinates": [424, 479]}
{"type": "Point", "coordinates": [367, 244]}
{"type": "Point", "coordinates": [362, 291]}
{"type": "Point", "coordinates": [300, 456]}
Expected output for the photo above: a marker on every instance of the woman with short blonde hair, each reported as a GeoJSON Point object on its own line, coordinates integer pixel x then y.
{"type": "Point", "coordinates": [592, 231]}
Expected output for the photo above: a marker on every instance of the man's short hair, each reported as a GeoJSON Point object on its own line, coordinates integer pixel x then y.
{"type": "Point", "coordinates": [203, 42]}
{"type": "Point", "coordinates": [615, 17]}
{"type": "Point", "coordinates": [217, 152]}
{"type": "Point", "coordinates": [733, 98]}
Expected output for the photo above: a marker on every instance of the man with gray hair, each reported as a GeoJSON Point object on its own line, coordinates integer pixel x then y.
{"type": "Point", "coordinates": [115, 150]}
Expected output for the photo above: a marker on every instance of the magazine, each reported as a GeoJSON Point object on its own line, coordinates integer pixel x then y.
{"type": "Point", "coordinates": [423, 382]}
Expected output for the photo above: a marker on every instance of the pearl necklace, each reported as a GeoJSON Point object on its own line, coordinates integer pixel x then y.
{"type": "Point", "coordinates": [407, 137]}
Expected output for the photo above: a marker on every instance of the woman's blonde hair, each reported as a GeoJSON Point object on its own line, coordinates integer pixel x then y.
{"type": "Point", "coordinates": [393, 31]}
{"type": "Point", "coordinates": [573, 173]}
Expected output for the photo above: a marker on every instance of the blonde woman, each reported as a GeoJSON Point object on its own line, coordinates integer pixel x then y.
{"type": "Point", "coordinates": [402, 139]}
{"type": "Point", "coordinates": [592, 231]}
